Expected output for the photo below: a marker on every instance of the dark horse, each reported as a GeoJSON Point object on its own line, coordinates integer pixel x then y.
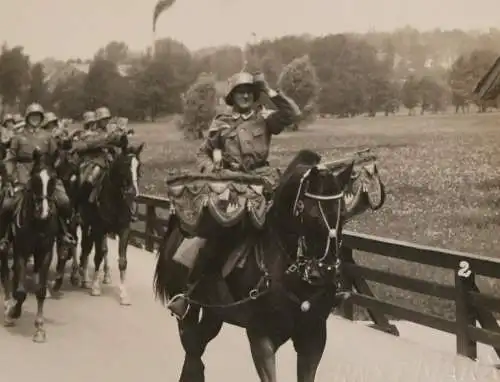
{"type": "Point", "coordinates": [111, 212]}
{"type": "Point", "coordinates": [67, 166]}
{"type": "Point", "coordinates": [285, 290]}
{"type": "Point", "coordinates": [35, 228]}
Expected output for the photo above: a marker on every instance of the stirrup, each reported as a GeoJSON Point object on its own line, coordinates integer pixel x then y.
{"type": "Point", "coordinates": [178, 306]}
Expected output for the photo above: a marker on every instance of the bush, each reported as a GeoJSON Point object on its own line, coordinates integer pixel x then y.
{"type": "Point", "coordinates": [200, 102]}
{"type": "Point", "coordinates": [299, 81]}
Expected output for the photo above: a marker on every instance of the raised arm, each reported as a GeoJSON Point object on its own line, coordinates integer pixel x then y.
{"type": "Point", "coordinates": [286, 113]}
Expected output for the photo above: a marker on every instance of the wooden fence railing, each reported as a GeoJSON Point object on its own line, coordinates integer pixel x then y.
{"type": "Point", "coordinates": [471, 306]}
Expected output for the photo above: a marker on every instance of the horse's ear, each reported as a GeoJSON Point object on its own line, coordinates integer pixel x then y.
{"type": "Point", "coordinates": [139, 149]}
{"type": "Point", "coordinates": [37, 155]}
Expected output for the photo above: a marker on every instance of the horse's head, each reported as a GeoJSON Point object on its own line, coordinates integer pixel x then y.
{"type": "Point", "coordinates": [125, 173]}
{"type": "Point", "coordinates": [309, 202]}
{"type": "Point", "coordinates": [41, 187]}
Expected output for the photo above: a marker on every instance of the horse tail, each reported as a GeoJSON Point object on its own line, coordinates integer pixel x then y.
{"type": "Point", "coordinates": [169, 277]}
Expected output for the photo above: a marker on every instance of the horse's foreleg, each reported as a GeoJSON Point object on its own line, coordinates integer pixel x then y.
{"type": "Point", "coordinates": [72, 252]}
{"type": "Point", "coordinates": [309, 343]}
{"type": "Point", "coordinates": [263, 350]}
{"type": "Point", "coordinates": [86, 248]}
{"type": "Point", "coordinates": [122, 265]}
{"type": "Point", "coordinates": [107, 271]}
{"type": "Point", "coordinates": [5, 276]}
{"type": "Point", "coordinates": [62, 258]}
{"type": "Point", "coordinates": [14, 308]}
{"type": "Point", "coordinates": [101, 251]}
{"type": "Point", "coordinates": [195, 336]}
{"type": "Point", "coordinates": [44, 258]}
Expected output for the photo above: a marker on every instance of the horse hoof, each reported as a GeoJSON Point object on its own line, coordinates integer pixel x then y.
{"type": "Point", "coordinates": [125, 301]}
{"type": "Point", "coordinates": [15, 311]}
{"type": "Point", "coordinates": [107, 279]}
{"type": "Point", "coordinates": [40, 336]}
{"type": "Point", "coordinates": [57, 295]}
{"type": "Point", "coordinates": [9, 322]}
{"type": "Point", "coordinates": [86, 285]}
{"type": "Point", "coordinates": [95, 291]}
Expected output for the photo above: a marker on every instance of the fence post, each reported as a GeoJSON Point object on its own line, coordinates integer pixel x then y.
{"type": "Point", "coordinates": [346, 309]}
{"type": "Point", "coordinates": [150, 227]}
{"type": "Point", "coordinates": [465, 315]}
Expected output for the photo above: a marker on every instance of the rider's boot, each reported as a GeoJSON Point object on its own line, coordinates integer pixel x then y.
{"type": "Point", "coordinates": [179, 304]}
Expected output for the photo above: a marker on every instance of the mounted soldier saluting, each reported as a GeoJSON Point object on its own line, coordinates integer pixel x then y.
{"type": "Point", "coordinates": [18, 162]}
{"type": "Point", "coordinates": [240, 142]}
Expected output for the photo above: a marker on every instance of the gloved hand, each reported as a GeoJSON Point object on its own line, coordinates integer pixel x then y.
{"type": "Point", "coordinates": [260, 82]}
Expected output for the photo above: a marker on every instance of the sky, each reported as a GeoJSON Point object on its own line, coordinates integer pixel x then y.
{"type": "Point", "coordinates": [78, 28]}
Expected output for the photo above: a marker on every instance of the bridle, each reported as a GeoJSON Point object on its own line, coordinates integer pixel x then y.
{"type": "Point", "coordinates": [303, 264]}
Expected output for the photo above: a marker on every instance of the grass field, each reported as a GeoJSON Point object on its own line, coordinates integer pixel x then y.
{"type": "Point", "coordinates": [442, 175]}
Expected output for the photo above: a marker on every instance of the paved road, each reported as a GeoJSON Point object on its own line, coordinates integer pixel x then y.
{"type": "Point", "coordinates": [96, 339]}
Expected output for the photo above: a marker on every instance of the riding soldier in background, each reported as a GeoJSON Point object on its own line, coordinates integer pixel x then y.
{"type": "Point", "coordinates": [240, 141]}
{"type": "Point", "coordinates": [19, 123]}
{"type": "Point", "coordinates": [7, 133]}
{"type": "Point", "coordinates": [18, 162]}
{"type": "Point", "coordinates": [94, 148]}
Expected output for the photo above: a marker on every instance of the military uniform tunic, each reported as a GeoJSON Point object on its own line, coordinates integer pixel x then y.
{"type": "Point", "coordinates": [19, 161]}
{"type": "Point", "coordinates": [244, 139]}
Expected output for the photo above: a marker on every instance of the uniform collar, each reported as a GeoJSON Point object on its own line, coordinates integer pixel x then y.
{"type": "Point", "coordinates": [245, 116]}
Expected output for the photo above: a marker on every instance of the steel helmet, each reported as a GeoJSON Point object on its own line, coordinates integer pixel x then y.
{"type": "Point", "coordinates": [18, 118]}
{"type": "Point", "coordinates": [50, 117]}
{"type": "Point", "coordinates": [102, 113]}
{"type": "Point", "coordinates": [34, 108]}
{"type": "Point", "coordinates": [89, 117]}
{"type": "Point", "coordinates": [8, 118]}
{"type": "Point", "coordinates": [243, 78]}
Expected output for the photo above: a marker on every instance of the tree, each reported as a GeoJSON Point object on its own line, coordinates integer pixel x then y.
{"type": "Point", "coordinates": [14, 74]}
{"type": "Point", "coordinates": [299, 81]}
{"type": "Point", "coordinates": [69, 98]}
{"type": "Point", "coordinates": [464, 74]}
{"type": "Point", "coordinates": [160, 81]}
{"type": "Point", "coordinates": [37, 91]}
{"type": "Point", "coordinates": [200, 102]}
{"type": "Point", "coordinates": [432, 95]}
{"type": "Point", "coordinates": [116, 52]}
{"type": "Point", "coordinates": [100, 84]}
{"type": "Point", "coordinates": [410, 94]}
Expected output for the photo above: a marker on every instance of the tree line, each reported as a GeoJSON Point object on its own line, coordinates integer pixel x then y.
{"type": "Point", "coordinates": [343, 75]}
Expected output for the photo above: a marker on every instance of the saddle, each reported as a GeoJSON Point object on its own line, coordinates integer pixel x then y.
{"type": "Point", "coordinates": [209, 204]}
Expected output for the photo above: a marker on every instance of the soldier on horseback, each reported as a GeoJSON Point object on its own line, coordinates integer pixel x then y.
{"type": "Point", "coordinates": [18, 163]}
{"type": "Point", "coordinates": [95, 148]}
{"type": "Point", "coordinates": [240, 142]}
{"type": "Point", "coordinates": [8, 124]}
